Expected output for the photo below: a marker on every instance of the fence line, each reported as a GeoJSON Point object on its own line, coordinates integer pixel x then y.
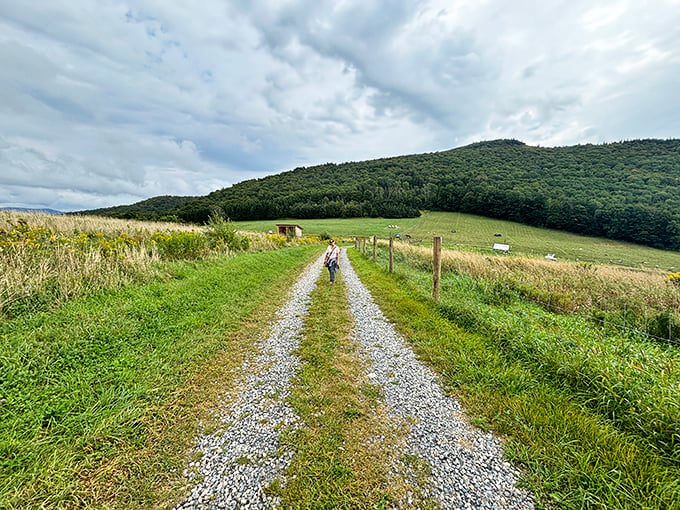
{"type": "Point", "coordinates": [549, 305]}
{"type": "Point", "coordinates": [623, 327]}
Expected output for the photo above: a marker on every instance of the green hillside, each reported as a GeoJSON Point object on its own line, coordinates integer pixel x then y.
{"type": "Point", "coordinates": [628, 191]}
{"type": "Point", "coordinates": [153, 208]}
{"type": "Point", "coordinates": [477, 233]}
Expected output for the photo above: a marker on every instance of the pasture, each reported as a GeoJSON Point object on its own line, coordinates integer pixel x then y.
{"type": "Point", "coordinates": [106, 379]}
{"type": "Point", "coordinates": [476, 233]}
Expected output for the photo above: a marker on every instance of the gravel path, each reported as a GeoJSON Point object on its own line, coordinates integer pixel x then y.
{"type": "Point", "coordinates": [467, 467]}
{"type": "Point", "coordinates": [243, 457]}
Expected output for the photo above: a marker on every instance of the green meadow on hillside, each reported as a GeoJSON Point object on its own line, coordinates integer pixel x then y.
{"type": "Point", "coordinates": [340, 227]}
{"type": "Point", "coordinates": [105, 382]}
{"type": "Point", "coordinates": [477, 233]}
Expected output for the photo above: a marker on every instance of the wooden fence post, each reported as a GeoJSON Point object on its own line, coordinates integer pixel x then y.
{"type": "Point", "coordinates": [375, 243]}
{"type": "Point", "coordinates": [391, 266]}
{"type": "Point", "coordinates": [436, 267]}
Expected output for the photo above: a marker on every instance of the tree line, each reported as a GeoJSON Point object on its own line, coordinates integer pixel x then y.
{"type": "Point", "coordinates": [627, 190]}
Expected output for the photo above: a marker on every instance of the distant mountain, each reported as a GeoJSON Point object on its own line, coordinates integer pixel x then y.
{"type": "Point", "coordinates": [29, 210]}
{"type": "Point", "coordinates": [152, 209]}
{"type": "Point", "coordinates": [628, 190]}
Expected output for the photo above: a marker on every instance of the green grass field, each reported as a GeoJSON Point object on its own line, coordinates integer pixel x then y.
{"type": "Point", "coordinates": [339, 227]}
{"type": "Point", "coordinates": [478, 233]}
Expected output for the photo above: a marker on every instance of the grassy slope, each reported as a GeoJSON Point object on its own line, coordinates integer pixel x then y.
{"type": "Point", "coordinates": [336, 226]}
{"type": "Point", "coordinates": [476, 232]}
{"type": "Point", "coordinates": [578, 451]}
{"type": "Point", "coordinates": [99, 399]}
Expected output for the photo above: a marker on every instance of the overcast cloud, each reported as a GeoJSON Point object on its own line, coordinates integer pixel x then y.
{"type": "Point", "coordinates": [110, 102]}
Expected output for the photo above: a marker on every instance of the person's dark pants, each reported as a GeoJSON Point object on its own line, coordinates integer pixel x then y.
{"type": "Point", "coordinates": [332, 269]}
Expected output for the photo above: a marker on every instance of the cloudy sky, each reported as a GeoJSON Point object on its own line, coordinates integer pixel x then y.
{"type": "Point", "coordinates": [107, 102]}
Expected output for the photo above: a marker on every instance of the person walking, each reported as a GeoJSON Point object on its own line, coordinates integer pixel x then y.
{"type": "Point", "coordinates": [331, 259]}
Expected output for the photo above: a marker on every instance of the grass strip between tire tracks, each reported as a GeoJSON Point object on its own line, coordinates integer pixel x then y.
{"type": "Point", "coordinates": [346, 445]}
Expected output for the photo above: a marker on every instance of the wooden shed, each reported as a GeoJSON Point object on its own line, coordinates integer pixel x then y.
{"type": "Point", "coordinates": [288, 230]}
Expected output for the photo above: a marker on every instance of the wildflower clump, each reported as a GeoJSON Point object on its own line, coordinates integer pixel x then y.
{"type": "Point", "coordinates": [180, 245]}
{"type": "Point", "coordinates": [674, 278]}
{"type": "Point", "coordinates": [276, 239]}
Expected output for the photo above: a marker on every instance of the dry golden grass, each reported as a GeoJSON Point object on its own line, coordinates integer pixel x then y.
{"type": "Point", "coordinates": [90, 224]}
{"type": "Point", "coordinates": [53, 258]}
{"type": "Point", "coordinates": [47, 259]}
{"type": "Point", "coordinates": [585, 285]}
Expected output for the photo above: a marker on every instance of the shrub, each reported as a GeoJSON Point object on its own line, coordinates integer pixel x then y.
{"type": "Point", "coordinates": [222, 233]}
{"type": "Point", "coordinates": [180, 245]}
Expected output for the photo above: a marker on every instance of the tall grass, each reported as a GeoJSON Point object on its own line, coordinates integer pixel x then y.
{"type": "Point", "coordinates": [49, 259]}
{"type": "Point", "coordinates": [640, 299]}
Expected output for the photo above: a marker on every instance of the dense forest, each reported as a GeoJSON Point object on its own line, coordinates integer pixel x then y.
{"type": "Point", "coordinates": [149, 209]}
{"type": "Point", "coordinates": [628, 191]}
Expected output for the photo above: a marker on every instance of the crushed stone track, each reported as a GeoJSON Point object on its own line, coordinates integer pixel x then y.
{"type": "Point", "coordinates": [243, 457]}
{"type": "Point", "coordinates": [467, 466]}
{"type": "Point", "coordinates": [240, 459]}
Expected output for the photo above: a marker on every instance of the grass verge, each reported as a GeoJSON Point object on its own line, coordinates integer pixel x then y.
{"type": "Point", "coordinates": [100, 400]}
{"type": "Point", "coordinates": [575, 456]}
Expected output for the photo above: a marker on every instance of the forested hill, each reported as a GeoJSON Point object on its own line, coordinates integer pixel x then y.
{"type": "Point", "coordinates": [151, 208]}
{"type": "Point", "coordinates": [628, 191]}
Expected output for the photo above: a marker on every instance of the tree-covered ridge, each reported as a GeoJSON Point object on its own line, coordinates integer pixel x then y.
{"type": "Point", "coordinates": [628, 190]}
{"type": "Point", "coordinates": [151, 208]}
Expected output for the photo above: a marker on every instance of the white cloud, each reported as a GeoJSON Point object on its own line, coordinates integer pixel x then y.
{"type": "Point", "coordinates": [108, 102]}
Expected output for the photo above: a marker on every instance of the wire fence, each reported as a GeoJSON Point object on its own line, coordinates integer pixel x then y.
{"type": "Point", "coordinates": [673, 324]}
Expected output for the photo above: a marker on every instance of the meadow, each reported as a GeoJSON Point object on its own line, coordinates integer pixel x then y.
{"type": "Point", "coordinates": [476, 233]}
{"type": "Point", "coordinates": [338, 227]}
{"type": "Point", "coordinates": [117, 338]}
{"type": "Point", "coordinates": [47, 260]}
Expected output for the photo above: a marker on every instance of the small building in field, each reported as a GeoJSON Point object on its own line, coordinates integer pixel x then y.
{"type": "Point", "coordinates": [288, 230]}
{"type": "Point", "coordinates": [505, 248]}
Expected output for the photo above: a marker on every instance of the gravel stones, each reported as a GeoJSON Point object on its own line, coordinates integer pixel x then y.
{"type": "Point", "coordinates": [239, 460]}
{"type": "Point", "coordinates": [466, 465]}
